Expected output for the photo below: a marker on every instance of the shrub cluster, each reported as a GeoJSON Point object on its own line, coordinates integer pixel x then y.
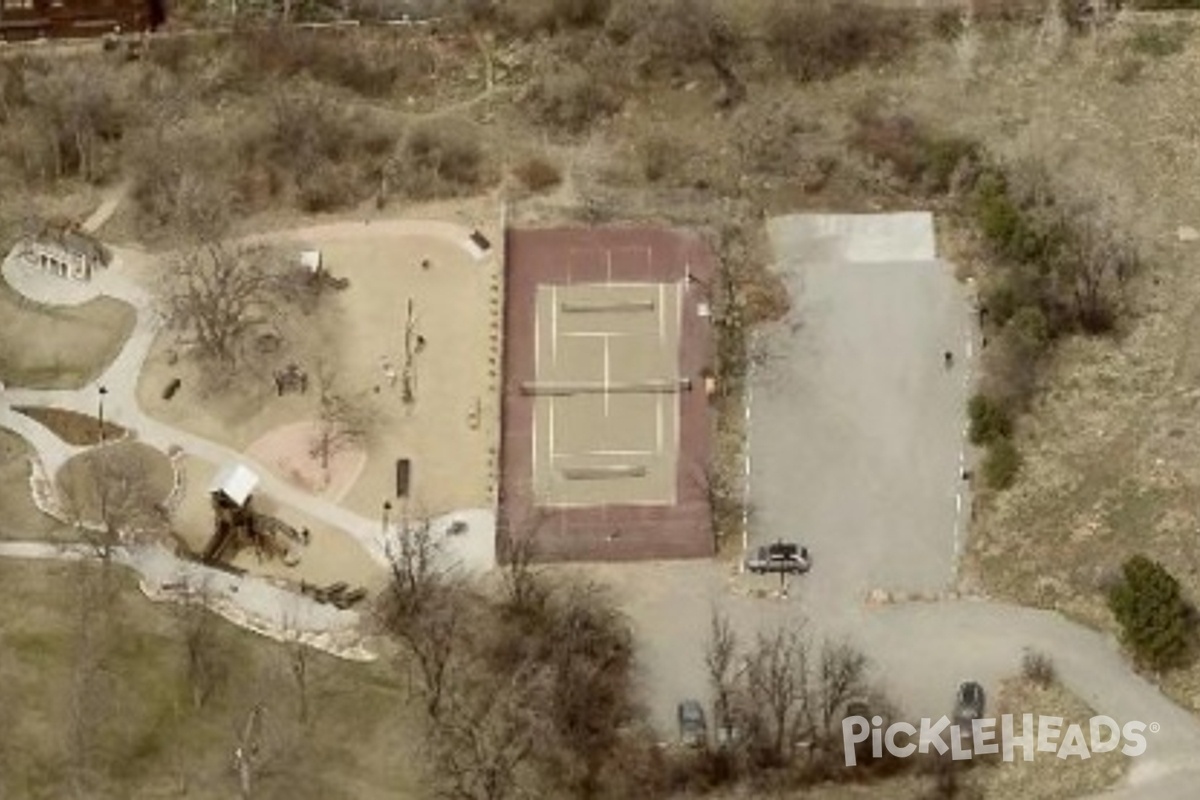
{"type": "Point", "coordinates": [1159, 41]}
{"type": "Point", "coordinates": [920, 159]}
{"type": "Point", "coordinates": [363, 63]}
{"type": "Point", "coordinates": [63, 119]}
{"type": "Point", "coordinates": [526, 17]}
{"type": "Point", "coordinates": [1062, 264]}
{"type": "Point", "coordinates": [439, 158]}
{"type": "Point", "coordinates": [538, 174]}
{"type": "Point", "coordinates": [1058, 268]}
{"type": "Point", "coordinates": [1156, 621]}
{"type": "Point", "coordinates": [1038, 668]}
{"type": "Point", "coordinates": [1165, 5]}
{"type": "Point", "coordinates": [818, 41]}
{"type": "Point", "coordinates": [304, 151]}
{"type": "Point", "coordinates": [989, 420]}
{"type": "Point", "coordinates": [571, 100]}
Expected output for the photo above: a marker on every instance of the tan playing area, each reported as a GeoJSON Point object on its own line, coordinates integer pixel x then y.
{"type": "Point", "coordinates": [606, 415]}
{"type": "Point", "coordinates": [606, 394]}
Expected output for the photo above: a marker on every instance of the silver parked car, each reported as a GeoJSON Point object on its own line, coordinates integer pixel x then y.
{"type": "Point", "coordinates": [782, 557]}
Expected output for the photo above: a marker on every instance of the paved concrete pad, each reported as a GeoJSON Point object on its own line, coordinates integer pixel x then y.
{"type": "Point", "coordinates": [856, 238]}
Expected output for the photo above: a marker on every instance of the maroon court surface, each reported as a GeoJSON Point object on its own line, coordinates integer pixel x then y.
{"type": "Point", "coordinates": [606, 423]}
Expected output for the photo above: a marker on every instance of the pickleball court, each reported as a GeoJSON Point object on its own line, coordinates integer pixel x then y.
{"type": "Point", "coordinates": [606, 422]}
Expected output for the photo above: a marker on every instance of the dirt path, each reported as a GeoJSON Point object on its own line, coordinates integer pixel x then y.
{"type": "Point", "coordinates": [107, 208]}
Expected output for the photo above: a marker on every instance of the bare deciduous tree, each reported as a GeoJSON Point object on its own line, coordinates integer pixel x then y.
{"type": "Point", "coordinates": [694, 31]}
{"type": "Point", "coordinates": [786, 693]}
{"type": "Point", "coordinates": [219, 298]}
{"type": "Point", "coordinates": [777, 676]}
{"type": "Point", "coordinates": [205, 667]}
{"type": "Point", "coordinates": [417, 571]}
{"type": "Point", "coordinates": [1102, 260]}
{"type": "Point", "coordinates": [247, 752]}
{"type": "Point", "coordinates": [719, 659]}
{"type": "Point", "coordinates": [109, 495]}
{"type": "Point", "coordinates": [590, 651]}
{"type": "Point", "coordinates": [77, 112]}
{"type": "Point", "coordinates": [488, 731]}
{"type": "Point", "coordinates": [842, 677]}
{"type": "Point", "coordinates": [425, 609]}
{"type": "Point", "coordinates": [727, 504]}
{"type": "Point", "coordinates": [525, 592]}
{"type": "Point", "coordinates": [343, 420]}
{"type": "Point", "coordinates": [298, 661]}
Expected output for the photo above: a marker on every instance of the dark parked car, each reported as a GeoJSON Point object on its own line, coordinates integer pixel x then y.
{"type": "Point", "coordinates": [693, 730]}
{"type": "Point", "coordinates": [969, 703]}
{"type": "Point", "coordinates": [779, 557]}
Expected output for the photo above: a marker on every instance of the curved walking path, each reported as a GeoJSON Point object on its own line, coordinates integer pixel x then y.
{"type": "Point", "coordinates": [52, 451]}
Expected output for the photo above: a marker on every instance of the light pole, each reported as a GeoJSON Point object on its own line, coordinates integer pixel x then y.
{"type": "Point", "coordinates": [100, 411]}
{"type": "Point", "coordinates": [102, 485]}
{"type": "Point", "coordinates": [387, 510]}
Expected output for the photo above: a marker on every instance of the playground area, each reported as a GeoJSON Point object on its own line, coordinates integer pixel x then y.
{"type": "Point", "coordinates": [411, 337]}
{"type": "Point", "coordinates": [420, 338]}
{"type": "Point", "coordinates": [606, 424]}
{"type": "Point", "coordinates": [322, 556]}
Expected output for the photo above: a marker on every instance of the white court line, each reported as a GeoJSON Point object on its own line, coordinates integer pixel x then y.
{"type": "Point", "coordinates": [662, 316]}
{"type": "Point", "coordinates": [624, 285]}
{"type": "Point", "coordinates": [606, 376]}
{"type": "Point", "coordinates": [614, 453]}
{"type": "Point", "coordinates": [597, 334]}
{"type": "Point", "coordinates": [554, 325]}
{"type": "Point", "coordinates": [533, 435]}
{"type": "Point", "coordinates": [678, 420]}
{"type": "Point", "coordinates": [658, 423]}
